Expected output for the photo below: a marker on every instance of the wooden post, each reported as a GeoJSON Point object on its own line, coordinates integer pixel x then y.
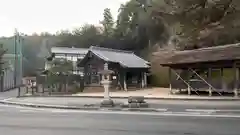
{"type": "Point", "coordinates": [19, 91]}
{"type": "Point", "coordinates": [222, 79]}
{"type": "Point", "coordinates": [170, 79]}
{"type": "Point", "coordinates": [236, 81]}
{"type": "Point", "coordinates": [189, 90]}
{"type": "Point", "coordinates": [124, 82]}
{"type": "Point", "coordinates": [145, 79]}
{"type": "Point", "coordinates": [27, 89]}
{"type": "Point", "coordinates": [209, 77]}
{"type": "Point", "coordinates": [32, 90]}
{"type": "Point", "coordinates": [43, 87]}
{"type": "Point", "coordinates": [142, 80]}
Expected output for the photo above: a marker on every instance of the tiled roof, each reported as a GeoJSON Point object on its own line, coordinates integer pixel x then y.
{"type": "Point", "coordinates": [209, 54]}
{"type": "Point", "coordinates": [69, 50]}
{"type": "Point", "coordinates": [124, 58]}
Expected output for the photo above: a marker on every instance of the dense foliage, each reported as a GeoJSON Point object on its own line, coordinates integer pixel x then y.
{"type": "Point", "coordinates": [142, 25]}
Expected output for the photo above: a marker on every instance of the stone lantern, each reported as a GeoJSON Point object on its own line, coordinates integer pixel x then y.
{"type": "Point", "coordinates": [106, 83]}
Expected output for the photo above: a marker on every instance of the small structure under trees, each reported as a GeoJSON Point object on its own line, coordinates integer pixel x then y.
{"type": "Point", "coordinates": [61, 69]}
{"type": "Point", "coordinates": [202, 69]}
{"type": "Point", "coordinates": [70, 54]}
{"type": "Point", "coordinates": [129, 70]}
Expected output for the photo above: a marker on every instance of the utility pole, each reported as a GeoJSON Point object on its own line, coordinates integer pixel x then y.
{"type": "Point", "coordinates": [15, 58]}
{"type": "Point", "coordinates": [18, 59]}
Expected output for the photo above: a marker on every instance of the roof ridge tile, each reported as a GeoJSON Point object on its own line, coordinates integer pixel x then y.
{"type": "Point", "coordinates": [110, 49]}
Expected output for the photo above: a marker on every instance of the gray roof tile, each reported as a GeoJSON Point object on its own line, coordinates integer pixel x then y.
{"type": "Point", "coordinates": [124, 58]}
{"type": "Point", "coordinates": [69, 50]}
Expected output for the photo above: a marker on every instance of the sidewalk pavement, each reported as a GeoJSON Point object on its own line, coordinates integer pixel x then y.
{"type": "Point", "coordinates": [94, 104]}
{"type": "Point", "coordinates": [9, 93]}
{"type": "Point", "coordinates": [153, 93]}
{"type": "Point", "coordinates": [71, 103]}
{"type": "Point", "coordinates": [157, 98]}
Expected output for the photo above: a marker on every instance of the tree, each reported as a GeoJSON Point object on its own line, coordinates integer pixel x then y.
{"type": "Point", "coordinates": [199, 23]}
{"type": "Point", "coordinates": [57, 75]}
{"type": "Point", "coordinates": [107, 23]}
{"type": "Point", "coordinates": [82, 37]}
{"type": "Point", "coordinates": [89, 35]}
{"type": "Point", "coordinates": [61, 67]}
{"type": "Point", "coordinates": [136, 22]}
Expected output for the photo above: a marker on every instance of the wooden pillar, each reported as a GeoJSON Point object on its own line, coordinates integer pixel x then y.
{"type": "Point", "coordinates": [19, 91]}
{"type": "Point", "coordinates": [236, 81]}
{"type": "Point", "coordinates": [145, 79]}
{"type": "Point", "coordinates": [125, 81]}
{"type": "Point", "coordinates": [142, 80]}
{"type": "Point", "coordinates": [170, 80]}
{"type": "Point", "coordinates": [210, 77]}
{"type": "Point", "coordinates": [222, 79]}
{"type": "Point", "coordinates": [188, 88]}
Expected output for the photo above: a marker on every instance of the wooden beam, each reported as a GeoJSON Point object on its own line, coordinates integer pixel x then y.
{"type": "Point", "coordinates": [215, 64]}
{"type": "Point", "coordinates": [145, 79]}
{"type": "Point", "coordinates": [209, 76]}
{"type": "Point", "coordinates": [222, 79]}
{"type": "Point", "coordinates": [170, 80]}
{"type": "Point", "coordinates": [142, 80]}
{"type": "Point", "coordinates": [125, 81]}
{"type": "Point", "coordinates": [236, 78]}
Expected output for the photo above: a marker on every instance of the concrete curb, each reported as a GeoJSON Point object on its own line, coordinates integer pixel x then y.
{"type": "Point", "coordinates": [81, 108]}
{"type": "Point", "coordinates": [154, 98]}
{"type": "Point", "coordinates": [48, 106]}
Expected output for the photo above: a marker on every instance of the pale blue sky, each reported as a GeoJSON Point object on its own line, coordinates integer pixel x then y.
{"type": "Point", "coordinates": [30, 16]}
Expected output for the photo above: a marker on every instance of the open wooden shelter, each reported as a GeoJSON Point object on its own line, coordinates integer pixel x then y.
{"type": "Point", "coordinates": [194, 68]}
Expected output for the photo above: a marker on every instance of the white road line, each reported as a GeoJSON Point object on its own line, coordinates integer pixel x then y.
{"type": "Point", "coordinates": [10, 106]}
{"type": "Point", "coordinates": [177, 114]}
{"type": "Point", "coordinates": [29, 108]}
{"type": "Point", "coordinates": [200, 110]}
{"type": "Point", "coordinates": [6, 99]}
{"type": "Point", "coordinates": [61, 111]}
{"type": "Point", "coordinates": [228, 110]}
{"type": "Point", "coordinates": [210, 110]}
{"type": "Point", "coordinates": [3, 105]}
{"type": "Point", "coordinates": [190, 113]}
{"type": "Point", "coordinates": [26, 110]}
{"type": "Point", "coordinates": [162, 109]}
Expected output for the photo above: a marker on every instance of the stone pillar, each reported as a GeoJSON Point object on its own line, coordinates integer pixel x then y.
{"type": "Point", "coordinates": [106, 89]}
{"type": "Point", "coordinates": [106, 83]}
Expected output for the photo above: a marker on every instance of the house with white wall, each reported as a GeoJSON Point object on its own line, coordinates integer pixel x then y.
{"type": "Point", "coordinates": [71, 54]}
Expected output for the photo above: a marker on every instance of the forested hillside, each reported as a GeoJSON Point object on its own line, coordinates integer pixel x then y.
{"type": "Point", "coordinates": [144, 26]}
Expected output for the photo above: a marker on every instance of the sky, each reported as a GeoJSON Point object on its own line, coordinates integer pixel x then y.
{"type": "Point", "coordinates": [30, 16]}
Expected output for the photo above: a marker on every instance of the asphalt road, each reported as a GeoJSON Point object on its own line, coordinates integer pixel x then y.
{"type": "Point", "coordinates": [16, 120]}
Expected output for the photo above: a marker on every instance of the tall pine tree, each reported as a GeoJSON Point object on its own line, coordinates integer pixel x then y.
{"type": "Point", "coordinates": [107, 22]}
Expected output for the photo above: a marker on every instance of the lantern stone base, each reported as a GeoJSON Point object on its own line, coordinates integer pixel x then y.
{"type": "Point", "coordinates": [107, 103]}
